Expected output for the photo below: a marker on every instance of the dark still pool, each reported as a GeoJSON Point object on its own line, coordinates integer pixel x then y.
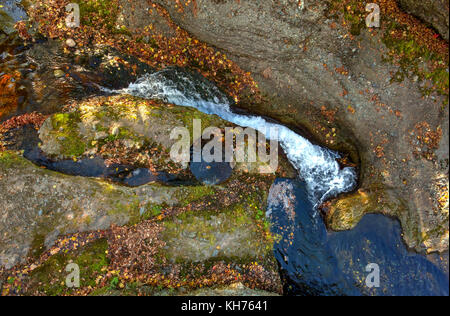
{"type": "Point", "coordinates": [371, 259]}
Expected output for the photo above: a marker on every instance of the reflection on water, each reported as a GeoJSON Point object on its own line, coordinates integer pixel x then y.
{"type": "Point", "coordinates": [315, 262]}
{"type": "Point", "coordinates": [210, 173]}
{"type": "Point", "coordinates": [377, 239]}
{"type": "Point", "coordinates": [26, 138]}
{"type": "Point", "coordinates": [14, 72]}
{"type": "Point", "coordinates": [13, 64]}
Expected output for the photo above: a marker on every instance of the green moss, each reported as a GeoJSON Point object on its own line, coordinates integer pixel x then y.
{"type": "Point", "coordinates": [130, 209]}
{"type": "Point", "coordinates": [188, 115]}
{"type": "Point", "coordinates": [50, 277]}
{"type": "Point", "coordinates": [131, 206]}
{"type": "Point", "coordinates": [187, 195]}
{"type": "Point", "coordinates": [98, 12]}
{"type": "Point", "coordinates": [138, 118]}
{"type": "Point", "coordinates": [122, 133]}
{"type": "Point", "coordinates": [122, 30]}
{"type": "Point", "coordinates": [130, 289]}
{"type": "Point", "coordinates": [37, 246]}
{"type": "Point", "coordinates": [353, 14]}
{"type": "Point", "coordinates": [104, 291]}
{"type": "Point", "coordinates": [416, 60]}
{"type": "Point", "coordinates": [65, 129]}
{"type": "Point", "coordinates": [152, 211]}
{"type": "Point", "coordinates": [356, 21]}
{"type": "Point", "coordinates": [244, 223]}
{"type": "Point", "coordinates": [9, 159]}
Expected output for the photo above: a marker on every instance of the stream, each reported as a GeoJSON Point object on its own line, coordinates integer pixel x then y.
{"type": "Point", "coordinates": [312, 260]}
{"type": "Point", "coordinates": [316, 165]}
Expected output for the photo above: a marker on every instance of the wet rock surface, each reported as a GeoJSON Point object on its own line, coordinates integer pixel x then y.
{"type": "Point", "coordinates": [173, 237]}
{"type": "Point", "coordinates": [53, 73]}
{"type": "Point", "coordinates": [137, 132]}
{"type": "Point", "coordinates": [198, 238]}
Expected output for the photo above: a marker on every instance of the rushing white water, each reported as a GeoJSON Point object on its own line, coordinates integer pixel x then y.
{"type": "Point", "coordinates": [317, 166]}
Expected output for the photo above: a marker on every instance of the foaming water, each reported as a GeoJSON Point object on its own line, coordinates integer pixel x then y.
{"type": "Point", "coordinates": [317, 166]}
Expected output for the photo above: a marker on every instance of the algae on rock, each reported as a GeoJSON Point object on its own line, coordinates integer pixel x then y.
{"type": "Point", "coordinates": [35, 201]}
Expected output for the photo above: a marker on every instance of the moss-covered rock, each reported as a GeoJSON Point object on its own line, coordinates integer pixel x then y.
{"type": "Point", "coordinates": [346, 212]}
{"type": "Point", "coordinates": [63, 137]}
{"type": "Point", "coordinates": [236, 289]}
{"type": "Point", "coordinates": [38, 202]}
{"type": "Point", "coordinates": [50, 277]}
{"type": "Point", "coordinates": [100, 120]}
{"type": "Point", "coordinates": [237, 234]}
{"type": "Point", "coordinates": [132, 126]}
{"type": "Point", "coordinates": [92, 11]}
{"type": "Point", "coordinates": [182, 236]}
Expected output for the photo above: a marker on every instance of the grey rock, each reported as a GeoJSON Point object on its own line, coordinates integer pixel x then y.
{"type": "Point", "coordinates": [34, 201]}
{"type": "Point", "coordinates": [433, 12]}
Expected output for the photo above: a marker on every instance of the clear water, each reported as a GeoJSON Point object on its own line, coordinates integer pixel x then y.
{"type": "Point", "coordinates": [314, 261]}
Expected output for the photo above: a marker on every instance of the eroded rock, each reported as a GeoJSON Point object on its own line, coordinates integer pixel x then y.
{"type": "Point", "coordinates": [320, 74]}
{"type": "Point", "coordinates": [173, 239]}
{"type": "Point", "coordinates": [34, 202]}
{"type": "Point", "coordinates": [104, 124]}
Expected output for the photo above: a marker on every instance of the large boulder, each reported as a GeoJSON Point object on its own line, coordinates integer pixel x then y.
{"type": "Point", "coordinates": [38, 204]}
{"type": "Point", "coordinates": [131, 129]}
{"type": "Point", "coordinates": [151, 240]}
